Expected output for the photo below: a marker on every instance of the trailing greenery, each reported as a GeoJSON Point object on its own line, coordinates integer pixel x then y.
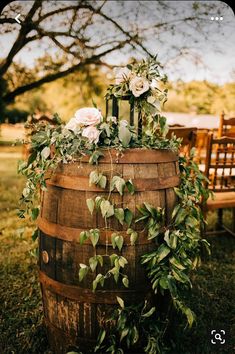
{"type": "Point", "coordinates": [178, 244]}
{"type": "Point", "coordinates": [177, 253]}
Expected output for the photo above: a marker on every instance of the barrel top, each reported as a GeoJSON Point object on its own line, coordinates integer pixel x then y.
{"type": "Point", "coordinates": [135, 156]}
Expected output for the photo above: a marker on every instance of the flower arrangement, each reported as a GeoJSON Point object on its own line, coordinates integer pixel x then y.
{"type": "Point", "coordinates": [142, 84]}
{"type": "Point", "coordinates": [178, 244]}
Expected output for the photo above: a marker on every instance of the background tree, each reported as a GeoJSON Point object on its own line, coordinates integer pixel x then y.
{"type": "Point", "coordinates": [76, 34]}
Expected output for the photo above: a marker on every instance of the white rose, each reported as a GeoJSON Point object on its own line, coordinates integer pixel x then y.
{"type": "Point", "coordinates": [139, 85]}
{"type": "Point", "coordinates": [123, 123]}
{"type": "Point", "coordinates": [92, 134]}
{"type": "Point", "coordinates": [88, 116]}
{"type": "Point", "coordinates": [72, 124]}
{"type": "Point", "coordinates": [122, 74]}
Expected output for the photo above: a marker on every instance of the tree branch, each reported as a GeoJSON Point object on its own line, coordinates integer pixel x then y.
{"type": "Point", "coordinates": [7, 20]}
{"type": "Point", "coordinates": [21, 39]}
{"type": "Point", "coordinates": [132, 38]}
{"type": "Point", "coordinates": [9, 97]}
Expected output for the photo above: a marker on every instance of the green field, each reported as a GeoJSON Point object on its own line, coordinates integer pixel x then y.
{"type": "Point", "coordinates": [21, 323]}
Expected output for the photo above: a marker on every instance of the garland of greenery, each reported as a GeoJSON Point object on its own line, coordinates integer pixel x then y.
{"type": "Point", "coordinates": [178, 245]}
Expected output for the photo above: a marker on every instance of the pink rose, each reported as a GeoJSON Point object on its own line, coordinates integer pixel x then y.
{"type": "Point", "coordinates": [88, 116]}
{"type": "Point", "coordinates": [92, 134]}
{"type": "Point", "coordinates": [72, 124]}
{"type": "Point", "coordinates": [139, 85]}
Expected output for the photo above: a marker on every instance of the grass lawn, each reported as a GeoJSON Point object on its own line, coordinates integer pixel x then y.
{"type": "Point", "coordinates": [21, 323]}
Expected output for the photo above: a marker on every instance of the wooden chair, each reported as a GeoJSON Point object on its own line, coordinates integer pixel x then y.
{"type": "Point", "coordinates": [201, 145]}
{"type": "Point", "coordinates": [188, 136]}
{"type": "Point", "coordinates": [226, 127]}
{"type": "Point", "coordinates": [220, 170]}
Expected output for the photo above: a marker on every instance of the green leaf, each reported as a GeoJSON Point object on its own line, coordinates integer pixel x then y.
{"type": "Point", "coordinates": [93, 263]}
{"type": "Point", "coordinates": [133, 238]}
{"type": "Point", "coordinates": [113, 236]}
{"type": "Point", "coordinates": [90, 204]}
{"type": "Point", "coordinates": [150, 209]}
{"type": "Point", "coordinates": [130, 187]}
{"type": "Point", "coordinates": [35, 235]}
{"type": "Point", "coordinates": [113, 257]}
{"type": "Point", "coordinates": [176, 263]}
{"type": "Point", "coordinates": [181, 215]}
{"type": "Point", "coordinates": [175, 210]}
{"type": "Point", "coordinates": [45, 153]}
{"type": "Point", "coordinates": [141, 218]}
{"type": "Point", "coordinates": [124, 333]}
{"type": "Point", "coordinates": [93, 178]}
{"type": "Point", "coordinates": [149, 313]}
{"type": "Point", "coordinates": [106, 208]}
{"type": "Point", "coordinates": [115, 272]}
{"type": "Point", "coordinates": [125, 282]}
{"type": "Point", "coordinates": [128, 216]}
{"type": "Point", "coordinates": [99, 279]}
{"type": "Point", "coordinates": [119, 214]}
{"type": "Point", "coordinates": [154, 230]}
{"type": "Point", "coordinates": [112, 182]}
{"type": "Point", "coordinates": [95, 156]}
{"type": "Point", "coordinates": [173, 240]}
{"type": "Point", "coordinates": [39, 138]}
{"type": "Point", "coordinates": [180, 276]}
{"type": "Point", "coordinates": [122, 261]}
{"type": "Point", "coordinates": [35, 213]}
{"type": "Point", "coordinates": [190, 316]}
{"type": "Point", "coordinates": [102, 182]}
{"type": "Point", "coordinates": [167, 238]}
{"type": "Point", "coordinates": [163, 283]}
{"type": "Point", "coordinates": [119, 242]}
{"type": "Point", "coordinates": [82, 271]}
{"type": "Point", "coordinates": [124, 135]}
{"type": "Point", "coordinates": [162, 252]}
{"type": "Point", "coordinates": [94, 236]}
{"type": "Point", "coordinates": [98, 201]}
{"type": "Point", "coordinates": [100, 259]}
{"type": "Point", "coordinates": [100, 339]}
{"type": "Point", "coordinates": [120, 301]}
{"type": "Point", "coordinates": [118, 183]}
{"type": "Point", "coordinates": [84, 235]}
{"type": "Point", "coordinates": [135, 335]}
{"type": "Point", "coordinates": [32, 157]}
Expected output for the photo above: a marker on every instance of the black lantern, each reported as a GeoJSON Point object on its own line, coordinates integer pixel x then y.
{"type": "Point", "coordinates": [114, 107]}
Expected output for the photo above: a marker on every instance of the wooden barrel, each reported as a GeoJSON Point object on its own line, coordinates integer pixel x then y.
{"type": "Point", "coordinates": [73, 313]}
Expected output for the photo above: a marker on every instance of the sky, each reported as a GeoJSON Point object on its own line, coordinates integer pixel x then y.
{"type": "Point", "coordinates": [214, 56]}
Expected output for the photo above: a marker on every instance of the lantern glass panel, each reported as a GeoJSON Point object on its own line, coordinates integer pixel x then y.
{"type": "Point", "coordinates": [124, 110]}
